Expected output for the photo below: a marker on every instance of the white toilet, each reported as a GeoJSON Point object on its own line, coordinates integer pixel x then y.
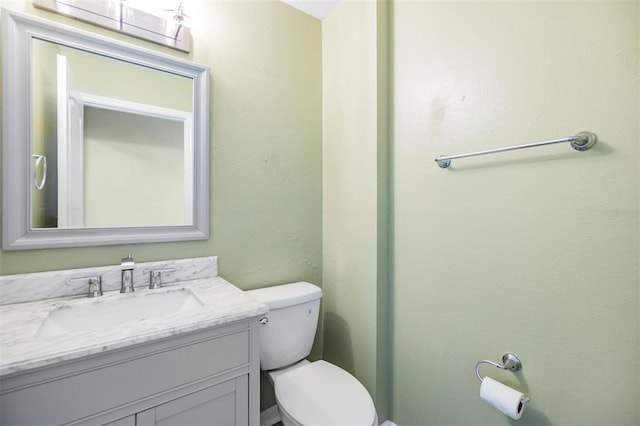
{"type": "Point", "coordinates": [307, 393]}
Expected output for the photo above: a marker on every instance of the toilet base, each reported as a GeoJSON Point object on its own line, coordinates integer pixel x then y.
{"type": "Point", "coordinates": [287, 420]}
{"type": "Point", "coordinates": [270, 416]}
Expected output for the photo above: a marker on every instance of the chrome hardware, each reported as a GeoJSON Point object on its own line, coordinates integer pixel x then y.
{"type": "Point", "coordinates": [41, 160]}
{"type": "Point", "coordinates": [509, 362]}
{"type": "Point", "coordinates": [127, 266]}
{"type": "Point", "coordinates": [582, 141]}
{"type": "Point", "coordinates": [95, 285]}
{"type": "Point", "coordinates": [155, 277]}
{"type": "Point", "coordinates": [264, 321]}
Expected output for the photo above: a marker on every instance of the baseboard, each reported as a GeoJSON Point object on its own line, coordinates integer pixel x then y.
{"type": "Point", "coordinates": [270, 416]}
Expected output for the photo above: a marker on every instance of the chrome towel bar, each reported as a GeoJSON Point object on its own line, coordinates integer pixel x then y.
{"type": "Point", "coordinates": [582, 141]}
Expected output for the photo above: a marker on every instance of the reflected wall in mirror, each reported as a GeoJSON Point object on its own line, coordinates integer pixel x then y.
{"type": "Point", "coordinates": [103, 138]}
{"type": "Point", "coordinates": [107, 143]}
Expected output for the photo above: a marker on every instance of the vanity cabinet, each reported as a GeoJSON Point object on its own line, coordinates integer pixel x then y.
{"type": "Point", "coordinates": [206, 377]}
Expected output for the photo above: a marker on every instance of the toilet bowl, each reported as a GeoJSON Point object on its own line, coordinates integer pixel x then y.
{"type": "Point", "coordinates": [320, 393]}
{"type": "Point", "coordinates": [307, 393]}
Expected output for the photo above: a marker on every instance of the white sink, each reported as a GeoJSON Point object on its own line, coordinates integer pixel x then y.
{"type": "Point", "coordinates": [94, 314]}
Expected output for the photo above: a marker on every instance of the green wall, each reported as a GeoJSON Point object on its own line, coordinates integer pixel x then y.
{"type": "Point", "coordinates": [355, 194]}
{"type": "Point", "coordinates": [266, 147]}
{"type": "Point", "coordinates": [535, 251]}
{"type": "Point", "coordinates": [148, 179]}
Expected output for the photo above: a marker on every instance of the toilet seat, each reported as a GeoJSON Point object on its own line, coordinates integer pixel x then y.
{"type": "Point", "coordinates": [321, 393]}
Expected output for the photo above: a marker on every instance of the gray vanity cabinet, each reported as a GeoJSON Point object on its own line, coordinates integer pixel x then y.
{"type": "Point", "coordinates": [208, 377]}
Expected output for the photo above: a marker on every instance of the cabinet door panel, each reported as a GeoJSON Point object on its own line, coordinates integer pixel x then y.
{"type": "Point", "coordinates": [225, 404]}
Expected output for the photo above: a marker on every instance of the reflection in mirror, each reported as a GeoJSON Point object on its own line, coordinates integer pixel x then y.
{"type": "Point", "coordinates": [108, 142]}
{"type": "Point", "coordinates": [116, 149]}
{"type": "Point", "coordinates": [134, 171]}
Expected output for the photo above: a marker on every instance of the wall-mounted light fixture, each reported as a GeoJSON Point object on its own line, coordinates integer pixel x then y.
{"type": "Point", "coordinates": [178, 16]}
{"type": "Point", "coordinates": [116, 15]}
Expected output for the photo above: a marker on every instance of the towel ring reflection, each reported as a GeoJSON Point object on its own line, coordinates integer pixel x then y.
{"type": "Point", "coordinates": [40, 160]}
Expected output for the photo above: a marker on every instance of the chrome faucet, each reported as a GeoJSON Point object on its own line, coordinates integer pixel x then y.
{"type": "Point", "coordinates": [155, 277]}
{"type": "Point", "coordinates": [95, 285]}
{"type": "Point", "coordinates": [127, 266]}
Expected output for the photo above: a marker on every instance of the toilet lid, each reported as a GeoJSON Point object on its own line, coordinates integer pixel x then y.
{"type": "Point", "coordinates": [322, 394]}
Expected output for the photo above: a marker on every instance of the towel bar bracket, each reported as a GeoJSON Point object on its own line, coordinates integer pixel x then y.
{"type": "Point", "coordinates": [584, 141]}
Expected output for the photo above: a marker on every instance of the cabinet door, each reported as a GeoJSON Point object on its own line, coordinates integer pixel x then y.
{"type": "Point", "coordinates": [224, 405]}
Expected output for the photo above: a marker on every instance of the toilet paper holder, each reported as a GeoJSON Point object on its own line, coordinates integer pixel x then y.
{"type": "Point", "coordinates": [509, 362]}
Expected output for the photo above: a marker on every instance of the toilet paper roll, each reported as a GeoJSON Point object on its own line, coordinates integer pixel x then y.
{"type": "Point", "coordinates": [507, 400]}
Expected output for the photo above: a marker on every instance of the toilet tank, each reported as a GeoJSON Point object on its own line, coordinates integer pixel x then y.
{"type": "Point", "coordinates": [293, 318]}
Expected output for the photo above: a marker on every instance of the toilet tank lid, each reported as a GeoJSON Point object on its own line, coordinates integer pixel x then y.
{"type": "Point", "coordinates": [286, 294]}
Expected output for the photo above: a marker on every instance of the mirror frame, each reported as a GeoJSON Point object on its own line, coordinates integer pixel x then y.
{"type": "Point", "coordinates": [18, 31]}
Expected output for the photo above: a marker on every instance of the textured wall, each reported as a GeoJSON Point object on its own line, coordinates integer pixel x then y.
{"type": "Point", "coordinates": [355, 197]}
{"type": "Point", "coordinates": [266, 152]}
{"type": "Point", "coordinates": [533, 252]}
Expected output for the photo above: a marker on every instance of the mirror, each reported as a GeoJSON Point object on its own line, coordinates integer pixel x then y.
{"type": "Point", "coordinates": [103, 142]}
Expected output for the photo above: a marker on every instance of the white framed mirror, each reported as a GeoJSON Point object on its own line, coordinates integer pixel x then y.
{"type": "Point", "coordinates": [103, 142]}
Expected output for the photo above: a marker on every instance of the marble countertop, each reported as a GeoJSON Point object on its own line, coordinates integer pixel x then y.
{"type": "Point", "coordinates": [22, 346]}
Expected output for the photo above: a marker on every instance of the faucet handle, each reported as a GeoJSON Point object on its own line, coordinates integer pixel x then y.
{"type": "Point", "coordinates": [127, 262]}
{"type": "Point", "coordinates": [155, 277]}
{"type": "Point", "coordinates": [95, 285]}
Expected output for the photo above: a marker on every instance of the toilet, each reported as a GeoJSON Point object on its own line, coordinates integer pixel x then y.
{"type": "Point", "coordinates": [307, 393]}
